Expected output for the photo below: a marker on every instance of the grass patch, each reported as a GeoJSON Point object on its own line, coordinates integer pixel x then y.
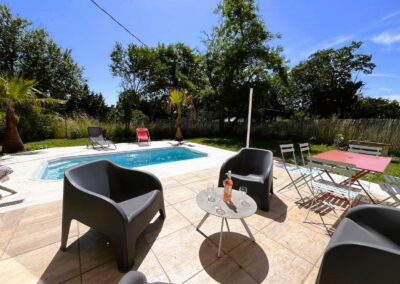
{"type": "Point", "coordinates": [51, 143]}
{"type": "Point", "coordinates": [235, 144]}
{"type": "Point", "coordinates": [227, 143]}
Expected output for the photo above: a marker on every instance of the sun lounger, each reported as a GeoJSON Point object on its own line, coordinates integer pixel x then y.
{"type": "Point", "coordinates": [143, 135]}
{"type": "Point", "coordinates": [96, 138]}
{"type": "Point", "coordinates": [4, 172]}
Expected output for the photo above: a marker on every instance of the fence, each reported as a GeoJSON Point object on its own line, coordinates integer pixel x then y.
{"type": "Point", "coordinates": [318, 131]}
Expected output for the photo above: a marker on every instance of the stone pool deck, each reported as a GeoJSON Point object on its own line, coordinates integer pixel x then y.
{"type": "Point", "coordinates": [286, 250]}
{"type": "Point", "coordinates": [31, 190]}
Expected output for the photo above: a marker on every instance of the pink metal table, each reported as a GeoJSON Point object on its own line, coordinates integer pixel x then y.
{"type": "Point", "coordinates": [364, 163]}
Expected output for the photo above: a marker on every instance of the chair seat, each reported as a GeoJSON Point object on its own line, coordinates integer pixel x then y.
{"type": "Point", "coordinates": [249, 177]}
{"type": "Point", "coordinates": [350, 231]}
{"type": "Point", "coordinates": [133, 205]}
{"type": "Point", "coordinates": [337, 189]}
{"type": "Point", "coordinates": [392, 179]}
{"type": "Point", "coordinates": [303, 170]}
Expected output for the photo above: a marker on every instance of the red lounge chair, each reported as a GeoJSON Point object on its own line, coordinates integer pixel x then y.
{"type": "Point", "coordinates": [143, 135]}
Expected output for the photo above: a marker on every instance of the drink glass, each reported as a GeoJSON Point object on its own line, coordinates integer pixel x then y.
{"type": "Point", "coordinates": [243, 193]}
{"type": "Point", "coordinates": [210, 192]}
{"type": "Point", "coordinates": [218, 207]}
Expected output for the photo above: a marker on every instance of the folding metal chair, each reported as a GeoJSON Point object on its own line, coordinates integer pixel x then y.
{"type": "Point", "coordinates": [288, 149]}
{"type": "Point", "coordinates": [392, 188]}
{"type": "Point", "coordinates": [322, 187]}
{"type": "Point", "coordinates": [368, 150]}
{"type": "Point", "coordinates": [362, 149]}
{"type": "Point", "coordinates": [304, 152]}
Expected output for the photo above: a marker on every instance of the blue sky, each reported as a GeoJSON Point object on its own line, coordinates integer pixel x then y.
{"type": "Point", "coordinates": [305, 26]}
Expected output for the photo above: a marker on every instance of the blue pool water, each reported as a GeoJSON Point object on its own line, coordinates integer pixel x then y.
{"type": "Point", "coordinates": [55, 169]}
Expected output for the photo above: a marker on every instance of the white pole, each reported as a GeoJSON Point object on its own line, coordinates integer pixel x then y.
{"type": "Point", "coordinates": [249, 118]}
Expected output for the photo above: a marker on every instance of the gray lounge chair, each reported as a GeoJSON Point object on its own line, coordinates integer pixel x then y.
{"type": "Point", "coordinates": [96, 138]}
{"type": "Point", "coordinates": [365, 247]}
{"type": "Point", "coordinates": [4, 173]}
{"type": "Point", "coordinates": [251, 168]}
{"type": "Point", "coordinates": [115, 201]}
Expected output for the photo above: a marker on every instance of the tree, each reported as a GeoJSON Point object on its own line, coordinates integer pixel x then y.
{"type": "Point", "coordinates": [179, 101]}
{"type": "Point", "coordinates": [32, 54]}
{"type": "Point", "coordinates": [16, 90]}
{"type": "Point", "coordinates": [132, 66]}
{"type": "Point", "coordinates": [376, 108]}
{"type": "Point", "coordinates": [238, 57]}
{"type": "Point", "coordinates": [152, 72]}
{"type": "Point", "coordinates": [127, 101]}
{"type": "Point", "coordinates": [88, 102]}
{"type": "Point", "coordinates": [327, 84]}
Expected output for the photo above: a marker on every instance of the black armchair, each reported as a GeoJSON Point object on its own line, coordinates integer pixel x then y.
{"type": "Point", "coordinates": [365, 247]}
{"type": "Point", "coordinates": [252, 168]}
{"type": "Point", "coordinates": [133, 277]}
{"type": "Point", "coordinates": [115, 201]}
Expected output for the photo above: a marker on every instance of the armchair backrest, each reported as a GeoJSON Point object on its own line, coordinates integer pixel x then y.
{"type": "Point", "coordinates": [92, 177]}
{"type": "Point", "coordinates": [254, 161]}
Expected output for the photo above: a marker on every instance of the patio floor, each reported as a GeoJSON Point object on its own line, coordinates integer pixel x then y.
{"type": "Point", "coordinates": [286, 249]}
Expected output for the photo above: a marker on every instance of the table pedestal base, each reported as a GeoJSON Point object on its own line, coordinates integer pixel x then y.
{"type": "Point", "coordinates": [222, 228]}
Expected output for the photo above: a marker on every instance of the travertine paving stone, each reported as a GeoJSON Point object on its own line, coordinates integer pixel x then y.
{"type": "Point", "coordinates": [286, 250]}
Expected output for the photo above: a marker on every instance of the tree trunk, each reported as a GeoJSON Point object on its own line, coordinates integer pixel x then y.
{"type": "Point", "coordinates": [12, 141]}
{"type": "Point", "coordinates": [178, 133]}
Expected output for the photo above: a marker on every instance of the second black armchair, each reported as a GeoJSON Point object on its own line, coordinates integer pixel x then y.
{"type": "Point", "coordinates": [365, 248]}
{"type": "Point", "coordinates": [115, 201]}
{"type": "Point", "coordinates": [251, 168]}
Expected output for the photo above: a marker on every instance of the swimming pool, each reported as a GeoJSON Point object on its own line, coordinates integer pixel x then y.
{"type": "Point", "coordinates": [54, 169]}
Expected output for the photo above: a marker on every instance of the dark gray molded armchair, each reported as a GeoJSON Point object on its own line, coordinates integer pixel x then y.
{"type": "Point", "coordinates": [365, 248]}
{"type": "Point", "coordinates": [133, 277]}
{"type": "Point", "coordinates": [136, 277]}
{"type": "Point", "coordinates": [115, 201]}
{"type": "Point", "coordinates": [251, 168]}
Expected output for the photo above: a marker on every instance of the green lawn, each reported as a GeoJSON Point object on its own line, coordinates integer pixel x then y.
{"type": "Point", "coordinates": [55, 143]}
{"type": "Point", "coordinates": [224, 143]}
{"type": "Point", "coordinates": [273, 145]}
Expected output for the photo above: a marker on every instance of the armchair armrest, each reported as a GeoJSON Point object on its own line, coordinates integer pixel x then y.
{"type": "Point", "coordinates": [268, 169]}
{"type": "Point", "coordinates": [229, 164]}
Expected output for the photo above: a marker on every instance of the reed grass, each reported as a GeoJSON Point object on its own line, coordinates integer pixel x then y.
{"type": "Point", "coordinates": [321, 131]}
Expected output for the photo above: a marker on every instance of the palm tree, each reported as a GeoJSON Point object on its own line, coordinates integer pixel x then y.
{"type": "Point", "coordinates": [15, 90]}
{"type": "Point", "coordinates": [180, 101]}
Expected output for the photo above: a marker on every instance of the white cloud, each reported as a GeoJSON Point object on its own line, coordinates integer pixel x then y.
{"type": "Point", "coordinates": [388, 97]}
{"type": "Point", "coordinates": [392, 97]}
{"type": "Point", "coordinates": [336, 41]}
{"type": "Point", "coordinates": [332, 42]}
{"type": "Point", "coordinates": [384, 75]}
{"type": "Point", "coordinates": [391, 15]}
{"type": "Point", "coordinates": [386, 89]}
{"type": "Point", "coordinates": [387, 38]}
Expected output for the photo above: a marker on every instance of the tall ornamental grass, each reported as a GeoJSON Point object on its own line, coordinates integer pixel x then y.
{"type": "Point", "coordinates": [316, 131]}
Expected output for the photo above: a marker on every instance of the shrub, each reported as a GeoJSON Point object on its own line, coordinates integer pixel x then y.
{"type": "Point", "coordinates": [74, 132]}
{"type": "Point", "coordinates": [35, 125]}
{"type": "Point", "coordinates": [339, 141]}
